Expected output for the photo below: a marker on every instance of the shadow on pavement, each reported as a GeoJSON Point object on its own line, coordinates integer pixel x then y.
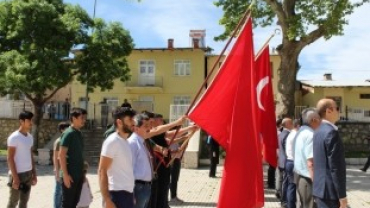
{"type": "Point", "coordinates": [192, 204]}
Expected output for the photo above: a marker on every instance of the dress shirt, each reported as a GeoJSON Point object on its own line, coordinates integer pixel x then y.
{"type": "Point", "coordinates": [140, 158]}
{"type": "Point", "coordinates": [303, 150]}
{"type": "Point", "coordinates": [289, 144]}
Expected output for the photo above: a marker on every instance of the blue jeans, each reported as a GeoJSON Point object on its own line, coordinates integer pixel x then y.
{"type": "Point", "coordinates": [58, 194]}
{"type": "Point", "coordinates": [291, 190]}
{"type": "Point", "coordinates": [142, 195]}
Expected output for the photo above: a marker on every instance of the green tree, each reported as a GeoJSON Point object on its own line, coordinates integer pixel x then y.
{"type": "Point", "coordinates": [302, 23]}
{"type": "Point", "coordinates": [36, 38]}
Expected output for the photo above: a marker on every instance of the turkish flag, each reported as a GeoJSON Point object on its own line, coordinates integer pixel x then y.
{"type": "Point", "coordinates": [227, 111]}
{"type": "Point", "coordinates": [266, 107]}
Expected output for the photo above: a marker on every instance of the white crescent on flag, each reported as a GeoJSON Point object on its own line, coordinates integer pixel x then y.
{"type": "Point", "coordinates": [261, 84]}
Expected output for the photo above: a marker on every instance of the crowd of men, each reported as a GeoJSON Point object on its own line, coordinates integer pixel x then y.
{"type": "Point", "coordinates": [311, 168]}
{"type": "Point", "coordinates": [135, 170]}
{"type": "Point", "coordinates": [140, 157]}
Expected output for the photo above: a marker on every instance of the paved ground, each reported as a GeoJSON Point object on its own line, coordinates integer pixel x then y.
{"type": "Point", "coordinates": [194, 187]}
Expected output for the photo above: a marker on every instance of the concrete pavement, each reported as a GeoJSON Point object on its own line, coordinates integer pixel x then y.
{"type": "Point", "coordinates": [195, 188]}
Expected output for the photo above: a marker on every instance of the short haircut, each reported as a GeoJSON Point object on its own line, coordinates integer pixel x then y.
{"type": "Point", "coordinates": [296, 123]}
{"type": "Point", "coordinates": [278, 122]}
{"type": "Point", "coordinates": [323, 105]}
{"type": "Point", "coordinates": [76, 112]}
{"type": "Point", "coordinates": [25, 115]}
{"type": "Point", "coordinates": [63, 125]}
{"type": "Point", "coordinates": [308, 114]}
{"type": "Point", "coordinates": [140, 118]}
{"type": "Point", "coordinates": [148, 114]}
{"type": "Point", "coordinates": [122, 112]}
{"type": "Point", "coordinates": [157, 115]}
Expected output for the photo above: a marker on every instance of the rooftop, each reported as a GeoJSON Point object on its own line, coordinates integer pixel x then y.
{"type": "Point", "coordinates": [335, 83]}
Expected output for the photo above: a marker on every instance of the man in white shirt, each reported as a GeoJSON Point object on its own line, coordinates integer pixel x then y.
{"type": "Point", "coordinates": [303, 156]}
{"type": "Point", "coordinates": [20, 162]}
{"type": "Point", "coordinates": [116, 176]}
{"type": "Point", "coordinates": [289, 165]}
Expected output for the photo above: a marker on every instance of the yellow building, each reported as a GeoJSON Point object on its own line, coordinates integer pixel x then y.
{"type": "Point", "coordinates": [353, 97]}
{"type": "Point", "coordinates": [159, 77]}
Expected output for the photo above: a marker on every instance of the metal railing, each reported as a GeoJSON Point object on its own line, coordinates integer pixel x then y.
{"type": "Point", "coordinates": [12, 108]}
{"type": "Point", "coordinates": [145, 81]}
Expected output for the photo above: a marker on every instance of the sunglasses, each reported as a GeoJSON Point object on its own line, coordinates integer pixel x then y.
{"type": "Point", "coordinates": [337, 108]}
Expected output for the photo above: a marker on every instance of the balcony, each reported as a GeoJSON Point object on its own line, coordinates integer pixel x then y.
{"type": "Point", "coordinates": [145, 84]}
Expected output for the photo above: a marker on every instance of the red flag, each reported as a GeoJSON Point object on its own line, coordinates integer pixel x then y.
{"type": "Point", "coordinates": [266, 126]}
{"type": "Point", "coordinates": [227, 112]}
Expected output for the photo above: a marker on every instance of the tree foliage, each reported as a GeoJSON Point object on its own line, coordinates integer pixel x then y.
{"type": "Point", "coordinates": [36, 40]}
{"type": "Point", "coordinates": [301, 22]}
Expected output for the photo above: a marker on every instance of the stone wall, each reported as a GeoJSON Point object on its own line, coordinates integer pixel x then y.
{"type": "Point", "coordinates": [7, 126]}
{"type": "Point", "coordinates": [355, 135]}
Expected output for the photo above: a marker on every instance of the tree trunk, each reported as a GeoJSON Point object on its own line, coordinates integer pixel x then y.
{"type": "Point", "coordinates": [38, 114]}
{"type": "Point", "coordinates": [287, 80]}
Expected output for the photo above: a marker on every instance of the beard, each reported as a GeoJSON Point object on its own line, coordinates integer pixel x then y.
{"type": "Point", "coordinates": [126, 129]}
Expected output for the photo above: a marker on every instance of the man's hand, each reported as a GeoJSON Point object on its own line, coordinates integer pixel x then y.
{"type": "Point", "coordinates": [195, 128]}
{"type": "Point", "coordinates": [165, 152]}
{"type": "Point", "coordinates": [343, 203]}
{"type": "Point", "coordinates": [181, 120]}
{"type": "Point", "coordinates": [57, 177]}
{"type": "Point", "coordinates": [109, 203]}
{"type": "Point", "coordinates": [34, 180]}
{"type": "Point", "coordinates": [16, 182]}
{"type": "Point", "coordinates": [67, 180]}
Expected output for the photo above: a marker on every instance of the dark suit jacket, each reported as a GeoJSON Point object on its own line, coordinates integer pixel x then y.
{"type": "Point", "coordinates": [329, 164]}
{"type": "Point", "coordinates": [282, 152]}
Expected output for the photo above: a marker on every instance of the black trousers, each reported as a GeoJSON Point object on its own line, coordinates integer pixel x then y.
{"type": "Point", "coordinates": [71, 195]}
{"type": "Point", "coordinates": [367, 164]}
{"type": "Point", "coordinates": [122, 199]}
{"type": "Point", "coordinates": [163, 182]}
{"type": "Point", "coordinates": [271, 177]}
{"type": "Point", "coordinates": [212, 167]}
{"type": "Point", "coordinates": [153, 194]}
{"type": "Point", "coordinates": [175, 174]}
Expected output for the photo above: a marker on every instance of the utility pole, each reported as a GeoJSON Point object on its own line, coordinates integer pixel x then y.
{"type": "Point", "coordinates": [87, 74]}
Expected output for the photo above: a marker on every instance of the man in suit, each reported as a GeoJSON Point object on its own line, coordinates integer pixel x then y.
{"type": "Point", "coordinates": [281, 181]}
{"type": "Point", "coordinates": [329, 181]}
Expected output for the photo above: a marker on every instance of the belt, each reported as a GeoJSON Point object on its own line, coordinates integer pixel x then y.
{"type": "Point", "coordinates": [143, 182]}
{"type": "Point", "coordinates": [305, 178]}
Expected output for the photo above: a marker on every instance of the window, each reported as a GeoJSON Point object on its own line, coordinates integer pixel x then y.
{"type": "Point", "coordinates": [364, 96]}
{"type": "Point", "coordinates": [147, 67]}
{"type": "Point", "coordinates": [366, 113]}
{"type": "Point", "coordinates": [181, 100]}
{"type": "Point", "coordinates": [182, 68]}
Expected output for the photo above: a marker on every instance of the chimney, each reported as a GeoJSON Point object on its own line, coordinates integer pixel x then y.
{"type": "Point", "coordinates": [170, 43]}
{"type": "Point", "coordinates": [327, 77]}
{"type": "Point", "coordinates": [195, 43]}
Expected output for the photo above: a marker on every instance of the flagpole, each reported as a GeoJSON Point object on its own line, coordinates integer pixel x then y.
{"type": "Point", "coordinates": [242, 21]}
{"type": "Point", "coordinates": [246, 16]}
{"type": "Point", "coordinates": [277, 31]}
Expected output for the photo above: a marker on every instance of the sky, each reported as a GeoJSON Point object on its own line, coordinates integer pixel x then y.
{"type": "Point", "coordinates": [152, 22]}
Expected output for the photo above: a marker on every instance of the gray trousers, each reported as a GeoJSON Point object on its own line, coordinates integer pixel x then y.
{"type": "Point", "coordinates": [19, 195]}
{"type": "Point", "coordinates": [304, 190]}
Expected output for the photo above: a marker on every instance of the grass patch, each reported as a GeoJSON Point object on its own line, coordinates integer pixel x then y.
{"type": "Point", "coordinates": [357, 154]}
{"type": "Point", "coordinates": [3, 152]}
